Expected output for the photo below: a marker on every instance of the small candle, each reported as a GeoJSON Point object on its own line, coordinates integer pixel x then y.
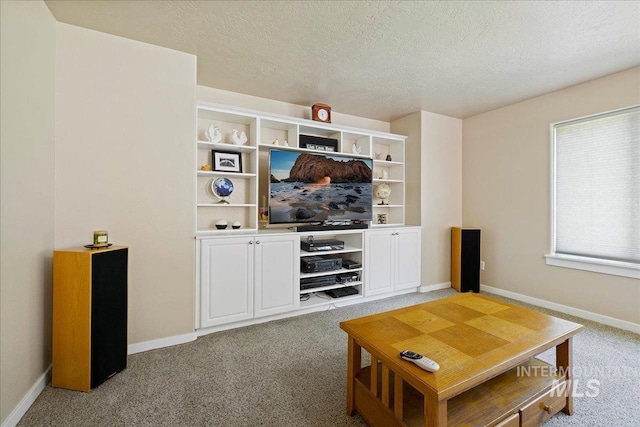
{"type": "Point", "coordinates": [100, 238]}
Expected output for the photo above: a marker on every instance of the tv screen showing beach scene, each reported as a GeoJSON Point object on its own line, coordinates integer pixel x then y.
{"type": "Point", "coordinates": [306, 187]}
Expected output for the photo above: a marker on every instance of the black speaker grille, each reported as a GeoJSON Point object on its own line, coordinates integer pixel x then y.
{"type": "Point", "coordinates": [470, 269]}
{"type": "Point", "coordinates": [108, 314]}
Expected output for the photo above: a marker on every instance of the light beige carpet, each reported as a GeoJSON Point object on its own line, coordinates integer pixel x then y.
{"type": "Point", "coordinates": [292, 372]}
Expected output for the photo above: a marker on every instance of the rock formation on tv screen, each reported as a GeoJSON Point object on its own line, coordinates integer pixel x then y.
{"type": "Point", "coordinates": [312, 168]}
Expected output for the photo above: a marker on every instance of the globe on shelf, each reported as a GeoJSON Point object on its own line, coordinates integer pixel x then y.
{"type": "Point", "coordinates": [222, 188]}
{"type": "Point", "coordinates": [383, 192]}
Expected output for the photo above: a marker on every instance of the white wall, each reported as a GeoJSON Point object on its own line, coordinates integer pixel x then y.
{"type": "Point", "coordinates": [414, 174]}
{"type": "Point", "coordinates": [433, 186]}
{"type": "Point", "coordinates": [125, 132]}
{"type": "Point", "coordinates": [28, 38]}
{"type": "Point", "coordinates": [240, 100]}
{"type": "Point", "coordinates": [506, 192]}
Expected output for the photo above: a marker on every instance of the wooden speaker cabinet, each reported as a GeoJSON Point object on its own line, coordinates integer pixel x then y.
{"type": "Point", "coordinates": [89, 316]}
{"type": "Point", "coordinates": [465, 259]}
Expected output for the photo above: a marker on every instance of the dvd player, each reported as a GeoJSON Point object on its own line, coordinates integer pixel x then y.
{"type": "Point", "coordinates": [321, 245]}
{"type": "Point", "coordinates": [317, 282]}
{"type": "Point", "coordinates": [342, 292]}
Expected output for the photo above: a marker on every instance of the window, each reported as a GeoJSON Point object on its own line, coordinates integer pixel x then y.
{"type": "Point", "coordinates": [595, 194]}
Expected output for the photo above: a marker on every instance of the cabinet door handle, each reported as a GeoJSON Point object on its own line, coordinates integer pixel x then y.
{"type": "Point", "coordinates": [251, 242]}
{"type": "Point", "coordinates": [257, 242]}
{"type": "Point", "coordinates": [547, 408]}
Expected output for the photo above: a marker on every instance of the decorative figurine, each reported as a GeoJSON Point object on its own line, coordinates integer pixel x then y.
{"type": "Point", "coordinates": [285, 143]}
{"type": "Point", "coordinates": [205, 167]}
{"type": "Point", "coordinates": [382, 218]}
{"type": "Point", "coordinates": [388, 157]}
{"type": "Point", "coordinates": [213, 134]}
{"type": "Point", "coordinates": [383, 192]}
{"type": "Point", "coordinates": [275, 142]}
{"type": "Point", "coordinates": [355, 149]}
{"type": "Point", "coordinates": [238, 140]}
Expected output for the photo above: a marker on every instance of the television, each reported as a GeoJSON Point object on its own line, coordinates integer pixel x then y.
{"type": "Point", "coordinates": [309, 187]}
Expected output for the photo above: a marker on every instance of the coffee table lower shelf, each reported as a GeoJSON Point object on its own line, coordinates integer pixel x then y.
{"type": "Point", "coordinates": [527, 395]}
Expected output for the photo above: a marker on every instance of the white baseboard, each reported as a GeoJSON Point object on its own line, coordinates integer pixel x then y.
{"type": "Point", "coordinates": [600, 318]}
{"type": "Point", "coordinates": [28, 399]}
{"type": "Point", "coordinates": [437, 286]}
{"type": "Point", "coordinates": [161, 342]}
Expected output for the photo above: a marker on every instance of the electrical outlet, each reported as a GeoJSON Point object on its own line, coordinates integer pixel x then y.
{"type": "Point", "coordinates": [481, 265]}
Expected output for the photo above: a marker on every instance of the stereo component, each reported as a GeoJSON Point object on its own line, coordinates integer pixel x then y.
{"type": "Point", "coordinates": [314, 264]}
{"type": "Point", "coordinates": [350, 264]}
{"type": "Point", "coordinates": [341, 292]}
{"type": "Point", "coordinates": [347, 277]}
{"type": "Point", "coordinates": [317, 282]}
{"type": "Point", "coordinates": [311, 245]}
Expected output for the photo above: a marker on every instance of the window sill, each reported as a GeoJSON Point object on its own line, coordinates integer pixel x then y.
{"type": "Point", "coordinates": [616, 268]}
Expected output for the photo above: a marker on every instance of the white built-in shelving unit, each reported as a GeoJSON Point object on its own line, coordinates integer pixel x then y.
{"type": "Point", "coordinates": [265, 131]}
{"type": "Point", "coordinates": [252, 273]}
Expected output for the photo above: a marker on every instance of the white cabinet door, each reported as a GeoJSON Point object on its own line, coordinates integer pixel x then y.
{"type": "Point", "coordinates": [392, 260]}
{"type": "Point", "coordinates": [407, 257]}
{"type": "Point", "coordinates": [277, 274]}
{"type": "Point", "coordinates": [379, 274]}
{"type": "Point", "coordinates": [226, 279]}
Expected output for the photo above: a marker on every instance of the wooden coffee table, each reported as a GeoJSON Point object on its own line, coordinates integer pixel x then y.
{"type": "Point", "coordinates": [488, 374]}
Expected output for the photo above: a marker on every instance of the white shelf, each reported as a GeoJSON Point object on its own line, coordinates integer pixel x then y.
{"type": "Point", "coordinates": [329, 273]}
{"type": "Point", "coordinates": [347, 249]}
{"type": "Point", "coordinates": [306, 150]}
{"type": "Point", "coordinates": [225, 231]}
{"type": "Point", "coordinates": [226, 174]}
{"type": "Point", "coordinates": [391, 225]}
{"type": "Point", "coordinates": [227, 205]}
{"type": "Point", "coordinates": [226, 147]}
{"type": "Point", "coordinates": [326, 288]}
{"type": "Point", "coordinates": [315, 300]}
{"type": "Point", "coordinates": [262, 146]}
{"type": "Point", "coordinates": [389, 181]}
{"type": "Point", "coordinates": [387, 163]}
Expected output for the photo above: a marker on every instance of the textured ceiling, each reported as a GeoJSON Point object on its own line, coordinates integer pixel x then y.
{"type": "Point", "coordinates": [382, 60]}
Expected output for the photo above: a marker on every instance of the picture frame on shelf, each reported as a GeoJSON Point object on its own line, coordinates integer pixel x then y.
{"type": "Point", "coordinates": [318, 143]}
{"type": "Point", "coordinates": [226, 161]}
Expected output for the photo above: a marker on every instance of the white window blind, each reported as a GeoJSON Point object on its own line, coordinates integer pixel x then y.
{"type": "Point", "coordinates": [597, 186]}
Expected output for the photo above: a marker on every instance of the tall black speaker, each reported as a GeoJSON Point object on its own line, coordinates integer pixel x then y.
{"type": "Point", "coordinates": [465, 259]}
